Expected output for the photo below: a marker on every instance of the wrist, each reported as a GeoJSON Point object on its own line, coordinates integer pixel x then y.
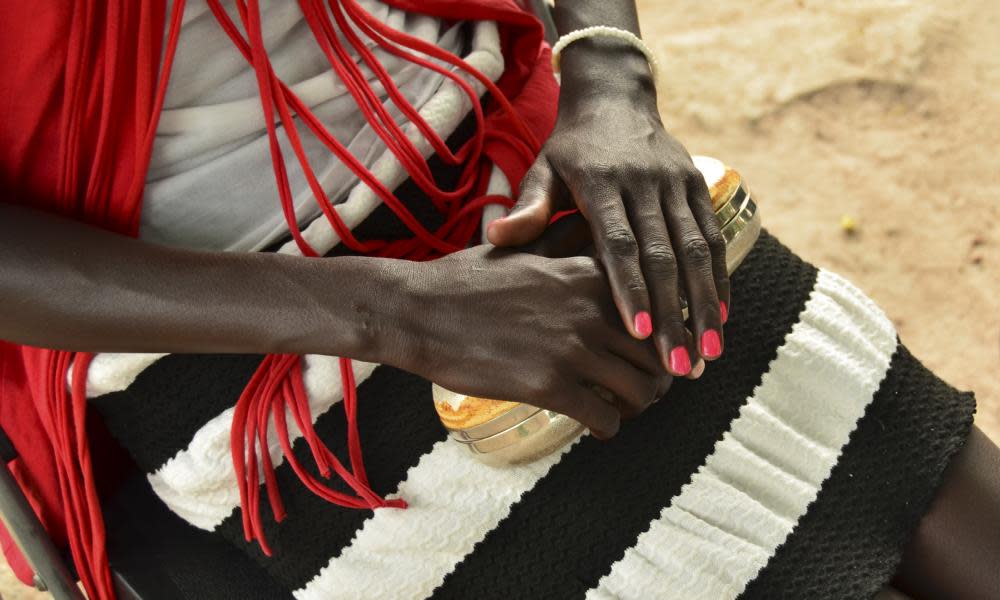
{"type": "Point", "coordinates": [344, 306]}
{"type": "Point", "coordinates": [596, 69]}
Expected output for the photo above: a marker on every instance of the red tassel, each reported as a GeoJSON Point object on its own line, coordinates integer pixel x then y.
{"type": "Point", "coordinates": [92, 126]}
{"type": "Point", "coordinates": [276, 96]}
{"type": "Point", "coordinates": [277, 385]}
{"type": "Point", "coordinates": [63, 414]}
{"type": "Point", "coordinates": [275, 388]}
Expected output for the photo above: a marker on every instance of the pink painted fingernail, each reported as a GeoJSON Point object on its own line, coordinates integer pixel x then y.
{"type": "Point", "coordinates": [724, 311]}
{"type": "Point", "coordinates": [643, 324]}
{"type": "Point", "coordinates": [711, 344]}
{"type": "Point", "coordinates": [680, 361]}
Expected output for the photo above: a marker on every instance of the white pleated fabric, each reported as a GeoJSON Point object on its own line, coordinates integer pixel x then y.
{"type": "Point", "coordinates": [113, 371]}
{"type": "Point", "coordinates": [199, 482]}
{"type": "Point", "coordinates": [727, 522]}
{"type": "Point", "coordinates": [454, 501]}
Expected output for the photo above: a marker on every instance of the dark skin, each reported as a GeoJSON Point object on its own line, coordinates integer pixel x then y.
{"type": "Point", "coordinates": [955, 553]}
{"type": "Point", "coordinates": [460, 321]}
{"type": "Point", "coordinates": [85, 289]}
{"type": "Point", "coordinates": [647, 205]}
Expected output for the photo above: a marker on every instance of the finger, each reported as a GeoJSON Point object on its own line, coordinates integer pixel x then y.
{"type": "Point", "coordinates": [618, 251]}
{"type": "Point", "coordinates": [640, 353]}
{"type": "Point", "coordinates": [569, 236]}
{"type": "Point", "coordinates": [595, 413]}
{"type": "Point", "coordinates": [659, 266]}
{"type": "Point", "coordinates": [536, 203]}
{"type": "Point", "coordinates": [634, 389]}
{"type": "Point", "coordinates": [694, 261]}
{"type": "Point", "coordinates": [704, 214]}
{"type": "Point", "coordinates": [697, 370]}
{"type": "Point", "coordinates": [663, 386]}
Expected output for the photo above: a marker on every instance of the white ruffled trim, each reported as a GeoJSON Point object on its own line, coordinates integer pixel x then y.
{"type": "Point", "coordinates": [199, 483]}
{"type": "Point", "coordinates": [726, 523]}
{"type": "Point", "coordinates": [454, 501]}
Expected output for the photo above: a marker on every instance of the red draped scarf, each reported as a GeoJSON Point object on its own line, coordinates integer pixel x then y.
{"type": "Point", "coordinates": [81, 89]}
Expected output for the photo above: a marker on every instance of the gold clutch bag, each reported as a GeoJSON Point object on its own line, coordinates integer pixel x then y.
{"type": "Point", "coordinates": [500, 433]}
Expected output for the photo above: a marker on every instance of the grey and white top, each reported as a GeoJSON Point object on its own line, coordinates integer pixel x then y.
{"type": "Point", "coordinates": [210, 183]}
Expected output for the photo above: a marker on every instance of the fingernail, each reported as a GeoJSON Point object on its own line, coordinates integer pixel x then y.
{"type": "Point", "coordinates": [680, 361]}
{"type": "Point", "coordinates": [711, 345]}
{"type": "Point", "coordinates": [697, 369]}
{"type": "Point", "coordinates": [643, 324]}
{"type": "Point", "coordinates": [724, 311]}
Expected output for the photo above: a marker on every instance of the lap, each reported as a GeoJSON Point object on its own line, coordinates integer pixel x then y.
{"type": "Point", "coordinates": [798, 465]}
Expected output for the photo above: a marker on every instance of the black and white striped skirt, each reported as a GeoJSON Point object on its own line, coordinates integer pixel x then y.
{"type": "Point", "coordinates": [796, 467]}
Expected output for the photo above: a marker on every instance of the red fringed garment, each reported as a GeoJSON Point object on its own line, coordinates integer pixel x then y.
{"type": "Point", "coordinates": [81, 87]}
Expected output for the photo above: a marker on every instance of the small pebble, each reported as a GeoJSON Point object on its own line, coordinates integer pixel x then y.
{"type": "Point", "coordinates": [848, 224]}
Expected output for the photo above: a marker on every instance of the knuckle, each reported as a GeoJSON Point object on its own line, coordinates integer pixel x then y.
{"type": "Point", "coordinates": [692, 176]}
{"type": "Point", "coordinates": [715, 240]}
{"type": "Point", "coordinates": [532, 178]}
{"type": "Point", "coordinates": [635, 283]}
{"type": "Point", "coordinates": [648, 174]}
{"type": "Point", "coordinates": [696, 249]}
{"type": "Point", "coordinates": [581, 264]}
{"type": "Point", "coordinates": [600, 174]}
{"type": "Point", "coordinates": [620, 242]}
{"type": "Point", "coordinates": [576, 343]}
{"type": "Point", "coordinates": [543, 386]}
{"type": "Point", "coordinates": [611, 173]}
{"type": "Point", "coordinates": [660, 258]}
{"type": "Point", "coordinates": [645, 393]}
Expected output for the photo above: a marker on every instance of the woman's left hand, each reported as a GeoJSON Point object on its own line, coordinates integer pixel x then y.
{"type": "Point", "coordinates": [648, 208]}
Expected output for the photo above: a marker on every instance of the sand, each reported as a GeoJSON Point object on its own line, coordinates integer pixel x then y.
{"type": "Point", "coordinates": [887, 112]}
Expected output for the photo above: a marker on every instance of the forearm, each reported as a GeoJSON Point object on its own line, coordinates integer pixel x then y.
{"type": "Point", "coordinates": [69, 286]}
{"type": "Point", "coordinates": [593, 68]}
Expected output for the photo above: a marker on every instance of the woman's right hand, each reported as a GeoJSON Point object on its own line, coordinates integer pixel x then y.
{"type": "Point", "coordinates": [515, 326]}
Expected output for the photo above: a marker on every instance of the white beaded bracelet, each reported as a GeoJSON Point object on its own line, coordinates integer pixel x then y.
{"type": "Point", "coordinates": [603, 31]}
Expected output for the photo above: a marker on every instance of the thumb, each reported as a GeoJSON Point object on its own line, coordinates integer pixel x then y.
{"type": "Point", "coordinates": [531, 213]}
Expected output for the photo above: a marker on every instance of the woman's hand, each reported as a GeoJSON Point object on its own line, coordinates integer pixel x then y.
{"type": "Point", "coordinates": [649, 209]}
{"type": "Point", "coordinates": [515, 326]}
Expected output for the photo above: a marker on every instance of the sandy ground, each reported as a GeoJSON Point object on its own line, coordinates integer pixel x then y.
{"type": "Point", "coordinates": [887, 112]}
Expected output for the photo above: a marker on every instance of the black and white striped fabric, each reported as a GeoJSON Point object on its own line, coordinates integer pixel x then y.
{"type": "Point", "coordinates": [796, 467]}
